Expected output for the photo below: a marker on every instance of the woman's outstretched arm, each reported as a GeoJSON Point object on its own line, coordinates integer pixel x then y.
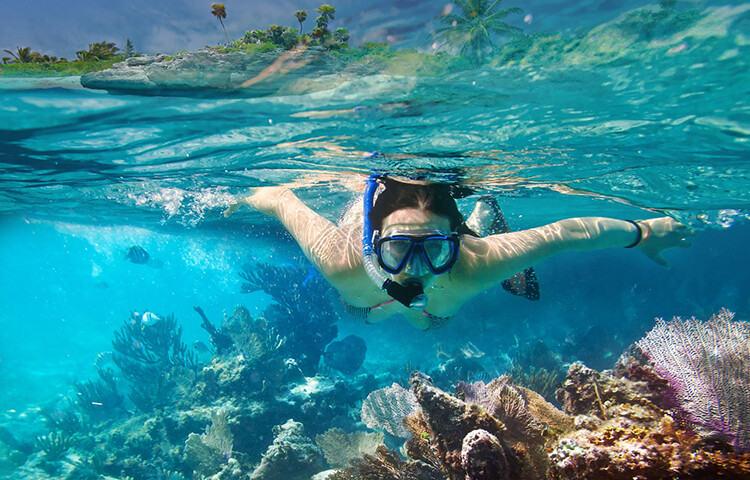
{"type": "Point", "coordinates": [490, 260]}
{"type": "Point", "coordinates": [328, 247]}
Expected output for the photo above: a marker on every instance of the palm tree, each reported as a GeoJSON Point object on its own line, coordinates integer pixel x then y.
{"type": "Point", "coordinates": [22, 55]}
{"type": "Point", "coordinates": [98, 51]}
{"type": "Point", "coordinates": [301, 17]}
{"type": "Point", "coordinates": [219, 11]}
{"type": "Point", "coordinates": [326, 13]}
{"type": "Point", "coordinates": [85, 56]}
{"type": "Point", "coordinates": [104, 50]}
{"type": "Point", "coordinates": [472, 30]}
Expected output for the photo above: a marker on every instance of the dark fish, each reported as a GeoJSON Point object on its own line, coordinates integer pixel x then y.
{"type": "Point", "coordinates": [137, 254]}
{"type": "Point", "coordinates": [346, 355]}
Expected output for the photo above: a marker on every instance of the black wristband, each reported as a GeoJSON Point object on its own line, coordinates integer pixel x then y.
{"type": "Point", "coordinates": [640, 234]}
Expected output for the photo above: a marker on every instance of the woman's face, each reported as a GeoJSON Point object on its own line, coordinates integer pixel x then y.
{"type": "Point", "coordinates": [413, 221]}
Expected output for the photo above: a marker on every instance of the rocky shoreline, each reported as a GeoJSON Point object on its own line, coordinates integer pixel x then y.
{"type": "Point", "coordinates": [210, 71]}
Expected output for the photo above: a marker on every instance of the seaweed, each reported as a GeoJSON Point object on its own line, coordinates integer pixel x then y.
{"type": "Point", "coordinates": [536, 367]}
{"type": "Point", "coordinates": [54, 445]}
{"type": "Point", "coordinates": [64, 420]}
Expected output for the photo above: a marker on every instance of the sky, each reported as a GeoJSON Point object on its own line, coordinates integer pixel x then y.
{"type": "Point", "coordinates": [61, 27]}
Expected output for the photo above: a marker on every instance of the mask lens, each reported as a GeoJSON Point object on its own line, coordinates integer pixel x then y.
{"type": "Point", "coordinates": [439, 252]}
{"type": "Point", "coordinates": [393, 252]}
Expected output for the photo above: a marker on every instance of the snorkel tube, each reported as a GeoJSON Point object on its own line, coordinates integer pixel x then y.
{"type": "Point", "coordinates": [411, 296]}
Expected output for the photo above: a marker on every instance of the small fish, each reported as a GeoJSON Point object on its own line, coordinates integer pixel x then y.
{"type": "Point", "coordinates": [201, 347]}
{"type": "Point", "coordinates": [149, 318]}
{"type": "Point", "coordinates": [471, 351]}
{"type": "Point", "coordinates": [137, 254]}
{"type": "Point", "coordinates": [105, 360]}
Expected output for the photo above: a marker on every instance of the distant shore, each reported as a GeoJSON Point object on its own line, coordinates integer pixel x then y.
{"type": "Point", "coordinates": [27, 82]}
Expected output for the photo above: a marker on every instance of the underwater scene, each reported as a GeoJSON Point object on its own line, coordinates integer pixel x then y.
{"type": "Point", "coordinates": [167, 313]}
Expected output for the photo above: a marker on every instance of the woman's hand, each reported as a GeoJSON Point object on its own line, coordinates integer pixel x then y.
{"type": "Point", "coordinates": [666, 232]}
{"type": "Point", "coordinates": [264, 199]}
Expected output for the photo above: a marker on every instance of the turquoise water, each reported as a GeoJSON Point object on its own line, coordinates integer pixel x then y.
{"type": "Point", "coordinates": [86, 174]}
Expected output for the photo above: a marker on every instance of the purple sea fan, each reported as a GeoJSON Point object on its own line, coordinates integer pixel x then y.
{"type": "Point", "coordinates": [708, 368]}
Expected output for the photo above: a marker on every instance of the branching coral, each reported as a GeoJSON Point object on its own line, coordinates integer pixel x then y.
{"type": "Point", "coordinates": [303, 313]}
{"type": "Point", "coordinates": [536, 367]}
{"type": "Point", "coordinates": [99, 398]}
{"type": "Point", "coordinates": [64, 420]}
{"type": "Point", "coordinates": [221, 342]}
{"type": "Point", "coordinates": [149, 356]}
{"type": "Point", "coordinates": [157, 343]}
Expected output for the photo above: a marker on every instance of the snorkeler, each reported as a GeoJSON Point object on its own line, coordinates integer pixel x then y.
{"type": "Point", "coordinates": [408, 250]}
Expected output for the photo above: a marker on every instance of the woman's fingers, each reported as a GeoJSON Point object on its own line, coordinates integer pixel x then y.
{"type": "Point", "coordinates": [660, 260]}
{"type": "Point", "coordinates": [232, 208]}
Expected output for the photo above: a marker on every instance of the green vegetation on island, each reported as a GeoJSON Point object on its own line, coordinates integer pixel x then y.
{"type": "Point", "coordinates": [99, 56]}
{"type": "Point", "coordinates": [288, 38]}
{"type": "Point", "coordinates": [463, 39]}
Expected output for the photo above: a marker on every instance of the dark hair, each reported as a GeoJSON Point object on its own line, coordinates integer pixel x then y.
{"type": "Point", "coordinates": [434, 197]}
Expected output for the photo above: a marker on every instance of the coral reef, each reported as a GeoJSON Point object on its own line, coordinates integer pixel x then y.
{"type": "Point", "coordinates": [229, 420]}
{"type": "Point", "coordinates": [483, 457]}
{"type": "Point", "coordinates": [152, 357]}
{"type": "Point", "coordinates": [99, 399]}
{"type": "Point", "coordinates": [54, 445]}
{"type": "Point", "coordinates": [624, 431]}
{"type": "Point", "coordinates": [707, 365]}
{"type": "Point", "coordinates": [492, 431]}
{"type": "Point", "coordinates": [220, 341]}
{"type": "Point", "coordinates": [339, 447]}
{"type": "Point", "coordinates": [303, 313]}
{"type": "Point", "coordinates": [64, 419]}
{"type": "Point", "coordinates": [292, 456]}
{"type": "Point", "coordinates": [447, 421]}
{"type": "Point", "coordinates": [387, 407]}
{"type": "Point", "coordinates": [386, 464]}
{"type": "Point", "coordinates": [206, 453]}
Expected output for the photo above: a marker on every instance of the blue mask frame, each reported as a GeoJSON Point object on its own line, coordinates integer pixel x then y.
{"type": "Point", "coordinates": [416, 245]}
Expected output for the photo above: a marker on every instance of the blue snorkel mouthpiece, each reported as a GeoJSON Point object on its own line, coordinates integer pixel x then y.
{"type": "Point", "coordinates": [411, 295]}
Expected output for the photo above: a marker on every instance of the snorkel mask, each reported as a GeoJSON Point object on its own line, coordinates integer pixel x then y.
{"type": "Point", "coordinates": [394, 252]}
